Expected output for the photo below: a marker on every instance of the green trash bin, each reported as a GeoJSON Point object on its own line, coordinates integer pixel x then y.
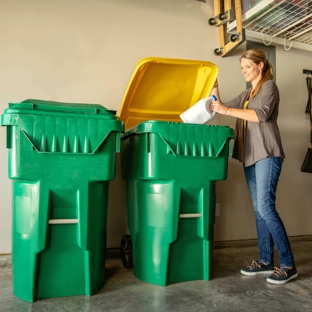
{"type": "Point", "coordinates": [170, 169]}
{"type": "Point", "coordinates": [61, 159]}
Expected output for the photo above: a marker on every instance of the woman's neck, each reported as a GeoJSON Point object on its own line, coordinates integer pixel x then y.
{"type": "Point", "coordinates": [255, 82]}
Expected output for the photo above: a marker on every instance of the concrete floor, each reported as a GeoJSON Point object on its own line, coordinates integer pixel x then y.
{"type": "Point", "coordinates": [228, 290]}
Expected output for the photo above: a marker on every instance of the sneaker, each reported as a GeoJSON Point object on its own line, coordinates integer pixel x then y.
{"type": "Point", "coordinates": [282, 275]}
{"type": "Point", "coordinates": [257, 267]}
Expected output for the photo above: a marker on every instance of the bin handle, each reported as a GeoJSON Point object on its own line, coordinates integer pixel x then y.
{"type": "Point", "coordinates": [190, 215]}
{"type": "Point", "coordinates": [63, 221]}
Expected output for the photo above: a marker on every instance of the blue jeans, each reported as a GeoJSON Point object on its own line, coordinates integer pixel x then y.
{"type": "Point", "coordinates": [262, 178]}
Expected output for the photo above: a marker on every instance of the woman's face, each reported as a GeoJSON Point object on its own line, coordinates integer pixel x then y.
{"type": "Point", "coordinates": [251, 71]}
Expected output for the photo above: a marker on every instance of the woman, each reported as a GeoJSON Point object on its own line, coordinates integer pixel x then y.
{"type": "Point", "coordinates": [259, 147]}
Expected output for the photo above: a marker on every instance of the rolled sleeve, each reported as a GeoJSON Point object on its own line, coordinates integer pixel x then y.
{"type": "Point", "coordinates": [267, 98]}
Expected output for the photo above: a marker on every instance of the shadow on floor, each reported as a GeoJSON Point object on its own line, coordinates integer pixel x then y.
{"type": "Point", "coordinates": [228, 290]}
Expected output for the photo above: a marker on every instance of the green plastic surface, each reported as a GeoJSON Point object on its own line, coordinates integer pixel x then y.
{"type": "Point", "coordinates": [61, 159]}
{"type": "Point", "coordinates": [170, 171]}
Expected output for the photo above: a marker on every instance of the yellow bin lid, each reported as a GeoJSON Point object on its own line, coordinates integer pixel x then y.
{"type": "Point", "coordinates": [163, 88]}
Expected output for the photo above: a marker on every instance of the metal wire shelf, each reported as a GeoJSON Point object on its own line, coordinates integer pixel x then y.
{"type": "Point", "coordinates": [290, 20]}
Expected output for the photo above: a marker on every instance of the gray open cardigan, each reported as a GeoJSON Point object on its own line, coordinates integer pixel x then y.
{"type": "Point", "coordinates": [262, 138]}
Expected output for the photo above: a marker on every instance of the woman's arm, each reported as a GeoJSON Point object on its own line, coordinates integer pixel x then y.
{"type": "Point", "coordinates": [215, 91]}
{"type": "Point", "coordinates": [269, 96]}
{"type": "Point", "coordinates": [246, 114]}
{"type": "Point", "coordinates": [217, 106]}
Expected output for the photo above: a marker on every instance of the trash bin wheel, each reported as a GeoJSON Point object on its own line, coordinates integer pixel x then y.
{"type": "Point", "coordinates": [126, 251]}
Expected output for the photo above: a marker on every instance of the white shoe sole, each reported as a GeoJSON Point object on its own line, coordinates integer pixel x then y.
{"type": "Point", "coordinates": [256, 273]}
{"type": "Point", "coordinates": [281, 282]}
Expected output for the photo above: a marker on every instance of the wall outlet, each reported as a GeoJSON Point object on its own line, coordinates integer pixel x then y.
{"type": "Point", "coordinates": [217, 210]}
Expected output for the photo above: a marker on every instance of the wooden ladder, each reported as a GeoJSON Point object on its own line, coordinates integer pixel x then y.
{"type": "Point", "coordinates": [223, 14]}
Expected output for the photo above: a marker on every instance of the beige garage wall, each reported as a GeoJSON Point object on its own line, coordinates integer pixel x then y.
{"type": "Point", "coordinates": [86, 51]}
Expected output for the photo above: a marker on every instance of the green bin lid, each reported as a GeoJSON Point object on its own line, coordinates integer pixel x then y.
{"type": "Point", "coordinates": [62, 127]}
{"type": "Point", "coordinates": [39, 107]}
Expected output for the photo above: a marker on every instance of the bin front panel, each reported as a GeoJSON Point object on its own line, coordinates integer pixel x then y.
{"type": "Point", "coordinates": [170, 171]}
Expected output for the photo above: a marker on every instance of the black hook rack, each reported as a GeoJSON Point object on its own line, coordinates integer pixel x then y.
{"type": "Point", "coordinates": [307, 72]}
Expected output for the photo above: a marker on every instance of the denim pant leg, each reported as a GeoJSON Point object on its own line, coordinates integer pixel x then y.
{"type": "Point", "coordinates": [262, 179]}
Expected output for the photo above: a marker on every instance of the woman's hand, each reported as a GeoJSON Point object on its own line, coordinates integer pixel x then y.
{"type": "Point", "coordinates": [218, 107]}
